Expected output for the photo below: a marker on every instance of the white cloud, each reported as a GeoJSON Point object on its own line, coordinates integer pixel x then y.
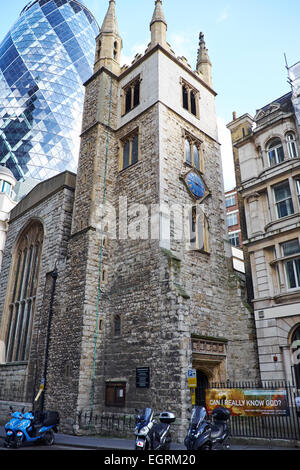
{"type": "Point", "coordinates": [182, 44]}
{"type": "Point", "coordinates": [224, 15]}
{"type": "Point", "coordinates": [136, 49]}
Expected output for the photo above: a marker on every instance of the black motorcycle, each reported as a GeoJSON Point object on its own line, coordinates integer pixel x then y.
{"type": "Point", "coordinates": [151, 435]}
{"type": "Point", "coordinates": [204, 434]}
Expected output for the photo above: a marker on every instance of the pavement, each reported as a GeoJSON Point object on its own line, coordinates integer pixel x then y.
{"type": "Point", "coordinates": [112, 443]}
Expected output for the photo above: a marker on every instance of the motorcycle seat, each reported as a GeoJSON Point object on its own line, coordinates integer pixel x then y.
{"type": "Point", "coordinates": [159, 429]}
{"type": "Point", "coordinates": [38, 418]}
{"type": "Point", "coordinates": [217, 430]}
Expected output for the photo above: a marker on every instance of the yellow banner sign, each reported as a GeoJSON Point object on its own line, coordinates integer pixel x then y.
{"type": "Point", "coordinates": [248, 402]}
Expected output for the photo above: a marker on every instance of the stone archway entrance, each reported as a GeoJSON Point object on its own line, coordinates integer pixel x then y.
{"type": "Point", "coordinates": [209, 360]}
{"type": "Point", "coordinates": [202, 384]}
{"type": "Point", "coordinates": [209, 357]}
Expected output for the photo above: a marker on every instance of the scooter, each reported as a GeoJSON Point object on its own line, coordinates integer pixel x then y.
{"type": "Point", "coordinates": [12, 426]}
{"type": "Point", "coordinates": [151, 435]}
{"type": "Point", "coordinates": [206, 435]}
{"type": "Point", "coordinates": [32, 427]}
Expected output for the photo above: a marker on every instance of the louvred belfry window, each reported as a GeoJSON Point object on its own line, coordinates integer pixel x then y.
{"type": "Point", "coordinates": [24, 281]}
{"type": "Point", "coordinates": [190, 98]}
{"type": "Point", "coordinates": [131, 95]}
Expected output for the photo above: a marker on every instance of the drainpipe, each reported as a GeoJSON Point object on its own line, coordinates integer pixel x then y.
{"type": "Point", "coordinates": [43, 385]}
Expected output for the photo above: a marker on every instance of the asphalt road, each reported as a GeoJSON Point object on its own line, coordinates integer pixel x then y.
{"type": "Point", "coordinates": [47, 448]}
{"type": "Point", "coordinates": [33, 447]}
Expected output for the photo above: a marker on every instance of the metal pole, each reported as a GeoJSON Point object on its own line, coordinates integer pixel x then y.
{"type": "Point", "coordinates": [54, 275]}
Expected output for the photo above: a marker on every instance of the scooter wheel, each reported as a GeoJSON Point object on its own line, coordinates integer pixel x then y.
{"type": "Point", "coordinates": [49, 438]}
{"type": "Point", "coordinates": [205, 447]}
{"type": "Point", "coordinates": [17, 443]}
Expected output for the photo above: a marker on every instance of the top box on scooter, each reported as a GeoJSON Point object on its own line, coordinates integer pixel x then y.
{"type": "Point", "coordinates": [46, 418]}
{"type": "Point", "coordinates": [221, 414]}
{"type": "Point", "coordinates": [167, 417]}
{"type": "Point", "coordinates": [50, 418]}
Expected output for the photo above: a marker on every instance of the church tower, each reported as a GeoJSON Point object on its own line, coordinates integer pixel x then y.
{"type": "Point", "coordinates": [150, 292]}
{"type": "Point", "coordinates": [109, 42]}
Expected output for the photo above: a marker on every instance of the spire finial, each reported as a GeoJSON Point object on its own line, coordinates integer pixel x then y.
{"type": "Point", "coordinates": [202, 51]}
{"type": "Point", "coordinates": [203, 61]}
{"type": "Point", "coordinates": [158, 25]}
{"type": "Point", "coordinates": [158, 14]}
{"type": "Point", "coordinates": [110, 23]}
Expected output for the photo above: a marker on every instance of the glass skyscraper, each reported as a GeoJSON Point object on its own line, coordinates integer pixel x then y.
{"type": "Point", "coordinates": [44, 60]}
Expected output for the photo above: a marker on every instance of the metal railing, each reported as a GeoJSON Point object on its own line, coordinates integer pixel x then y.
{"type": "Point", "coordinates": [269, 426]}
{"type": "Point", "coordinates": [107, 423]}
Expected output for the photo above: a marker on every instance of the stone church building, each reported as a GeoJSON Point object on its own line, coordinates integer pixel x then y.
{"type": "Point", "coordinates": [117, 280]}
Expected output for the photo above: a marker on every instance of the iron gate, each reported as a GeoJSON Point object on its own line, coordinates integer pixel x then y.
{"type": "Point", "coordinates": [269, 426]}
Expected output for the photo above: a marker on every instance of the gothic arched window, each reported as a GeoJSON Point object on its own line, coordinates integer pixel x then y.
{"type": "Point", "coordinates": [23, 283]}
{"type": "Point", "coordinates": [129, 148]}
{"type": "Point", "coordinates": [131, 95]}
{"type": "Point", "coordinates": [193, 153]}
{"type": "Point", "coordinates": [199, 234]}
{"type": "Point", "coordinates": [190, 98]}
{"type": "Point", "coordinates": [117, 325]}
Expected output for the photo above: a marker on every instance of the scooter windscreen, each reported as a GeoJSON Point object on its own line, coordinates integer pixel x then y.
{"type": "Point", "coordinates": [198, 415]}
{"type": "Point", "coordinates": [146, 415]}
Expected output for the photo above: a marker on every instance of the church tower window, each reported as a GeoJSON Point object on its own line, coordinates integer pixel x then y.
{"type": "Point", "coordinates": [185, 97]}
{"type": "Point", "coordinates": [198, 223]}
{"type": "Point", "coordinates": [188, 155]}
{"type": "Point", "coordinates": [190, 98]}
{"type": "Point", "coordinates": [129, 154]}
{"type": "Point", "coordinates": [117, 325]}
{"type": "Point", "coordinates": [193, 103]}
{"type": "Point", "coordinates": [24, 282]}
{"type": "Point", "coordinates": [131, 95]}
{"type": "Point", "coordinates": [193, 153]}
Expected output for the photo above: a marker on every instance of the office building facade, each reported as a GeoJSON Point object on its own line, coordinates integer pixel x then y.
{"type": "Point", "coordinates": [266, 150]}
{"type": "Point", "coordinates": [44, 60]}
{"type": "Point", "coordinates": [7, 203]}
{"type": "Point", "coordinates": [233, 218]}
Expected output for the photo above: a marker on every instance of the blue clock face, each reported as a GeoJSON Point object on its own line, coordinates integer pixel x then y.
{"type": "Point", "coordinates": [195, 184]}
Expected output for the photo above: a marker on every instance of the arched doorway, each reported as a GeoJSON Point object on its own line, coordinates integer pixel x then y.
{"type": "Point", "coordinates": [295, 346]}
{"type": "Point", "coordinates": [202, 384]}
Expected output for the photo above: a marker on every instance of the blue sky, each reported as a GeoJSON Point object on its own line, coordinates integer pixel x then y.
{"type": "Point", "coordinates": [246, 42]}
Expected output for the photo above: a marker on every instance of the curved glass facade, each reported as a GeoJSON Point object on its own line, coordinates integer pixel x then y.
{"type": "Point", "coordinates": [44, 59]}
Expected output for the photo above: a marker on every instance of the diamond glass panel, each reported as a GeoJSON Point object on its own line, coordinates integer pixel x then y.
{"type": "Point", "coordinates": [44, 60]}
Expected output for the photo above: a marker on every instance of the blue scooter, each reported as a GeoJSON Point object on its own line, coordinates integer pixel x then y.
{"type": "Point", "coordinates": [32, 427]}
{"type": "Point", "coordinates": [12, 426]}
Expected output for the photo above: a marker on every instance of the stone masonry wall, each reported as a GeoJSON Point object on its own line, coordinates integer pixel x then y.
{"type": "Point", "coordinates": [55, 214]}
{"type": "Point", "coordinates": [217, 306]}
